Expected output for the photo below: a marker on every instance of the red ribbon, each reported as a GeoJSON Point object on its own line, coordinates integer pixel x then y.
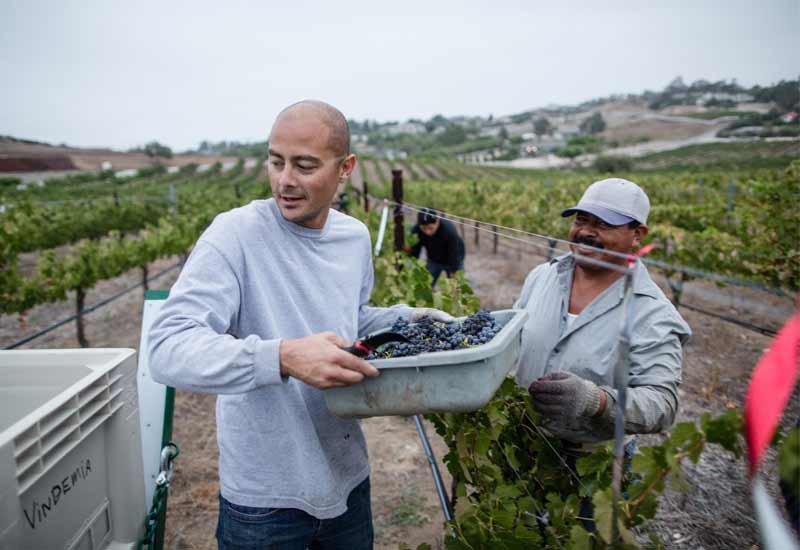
{"type": "Point", "coordinates": [645, 249]}
{"type": "Point", "coordinates": [770, 388]}
{"type": "Point", "coordinates": [641, 252]}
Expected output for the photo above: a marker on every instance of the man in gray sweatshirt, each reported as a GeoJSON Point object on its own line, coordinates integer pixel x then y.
{"type": "Point", "coordinates": [270, 294]}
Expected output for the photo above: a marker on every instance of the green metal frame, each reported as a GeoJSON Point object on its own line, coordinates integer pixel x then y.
{"type": "Point", "coordinates": [156, 294]}
{"type": "Point", "coordinates": [166, 432]}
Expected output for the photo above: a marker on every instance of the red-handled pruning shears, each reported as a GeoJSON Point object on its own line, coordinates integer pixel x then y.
{"type": "Point", "coordinates": [364, 346]}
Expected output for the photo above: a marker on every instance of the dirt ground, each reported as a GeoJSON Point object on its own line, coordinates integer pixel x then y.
{"type": "Point", "coordinates": [432, 171]}
{"type": "Point", "coordinates": [714, 514]}
{"type": "Point", "coordinates": [370, 172]}
{"type": "Point", "coordinates": [425, 171]}
{"type": "Point", "coordinates": [386, 168]}
{"type": "Point", "coordinates": [662, 130]}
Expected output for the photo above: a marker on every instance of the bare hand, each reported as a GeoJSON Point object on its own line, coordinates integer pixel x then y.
{"type": "Point", "coordinates": [320, 361]}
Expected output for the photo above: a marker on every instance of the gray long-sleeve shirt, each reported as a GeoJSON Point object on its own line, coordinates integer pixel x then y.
{"type": "Point", "coordinates": [587, 347]}
{"type": "Point", "coordinates": [253, 279]}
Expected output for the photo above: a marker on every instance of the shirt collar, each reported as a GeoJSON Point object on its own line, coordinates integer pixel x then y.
{"type": "Point", "coordinates": [297, 229]}
{"type": "Point", "coordinates": [642, 283]}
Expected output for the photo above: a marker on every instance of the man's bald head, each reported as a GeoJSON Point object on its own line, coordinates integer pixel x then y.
{"type": "Point", "coordinates": [330, 116]}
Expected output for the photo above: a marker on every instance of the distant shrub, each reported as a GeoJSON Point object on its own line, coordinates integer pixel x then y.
{"type": "Point", "coordinates": [149, 171]}
{"type": "Point", "coordinates": [613, 165]}
{"type": "Point", "coordinates": [156, 149]}
{"type": "Point", "coordinates": [594, 124]}
{"type": "Point", "coordinates": [571, 151]}
{"type": "Point", "coordinates": [8, 181]}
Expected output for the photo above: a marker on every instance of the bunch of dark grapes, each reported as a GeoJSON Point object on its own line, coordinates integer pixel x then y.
{"type": "Point", "coordinates": [427, 336]}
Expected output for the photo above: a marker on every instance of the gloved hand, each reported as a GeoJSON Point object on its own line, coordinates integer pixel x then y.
{"type": "Point", "coordinates": [564, 396]}
{"type": "Point", "coordinates": [418, 313]}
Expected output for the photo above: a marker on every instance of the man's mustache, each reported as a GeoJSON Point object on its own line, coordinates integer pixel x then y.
{"type": "Point", "coordinates": [588, 241]}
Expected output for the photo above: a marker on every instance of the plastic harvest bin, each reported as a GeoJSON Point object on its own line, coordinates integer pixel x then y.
{"type": "Point", "coordinates": [70, 455]}
{"type": "Point", "coordinates": [446, 381]}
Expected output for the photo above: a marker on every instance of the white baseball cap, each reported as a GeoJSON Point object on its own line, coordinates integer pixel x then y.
{"type": "Point", "coordinates": [615, 201]}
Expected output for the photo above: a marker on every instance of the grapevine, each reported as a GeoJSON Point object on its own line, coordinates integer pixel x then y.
{"type": "Point", "coordinates": [516, 487]}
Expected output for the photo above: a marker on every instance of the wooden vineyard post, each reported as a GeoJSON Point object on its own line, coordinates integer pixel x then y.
{"type": "Point", "coordinates": [116, 204]}
{"type": "Point", "coordinates": [366, 195]}
{"type": "Point", "coordinates": [80, 299]}
{"type": "Point", "coordinates": [476, 193]}
{"type": "Point", "coordinates": [731, 192]}
{"type": "Point", "coordinates": [173, 201]}
{"type": "Point", "coordinates": [397, 197]}
{"type": "Point", "coordinates": [495, 239]}
{"type": "Point", "coordinates": [675, 286]}
{"type": "Point", "coordinates": [145, 281]}
{"type": "Point", "coordinates": [454, 490]}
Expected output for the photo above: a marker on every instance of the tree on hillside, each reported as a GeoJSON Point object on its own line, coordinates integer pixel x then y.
{"type": "Point", "coordinates": [542, 126]}
{"type": "Point", "coordinates": [786, 94]}
{"type": "Point", "coordinates": [594, 124]}
{"type": "Point", "coordinates": [453, 135]}
{"type": "Point", "coordinates": [677, 84]}
{"type": "Point", "coordinates": [155, 149]}
{"type": "Point", "coordinates": [436, 121]}
{"type": "Point", "coordinates": [503, 134]}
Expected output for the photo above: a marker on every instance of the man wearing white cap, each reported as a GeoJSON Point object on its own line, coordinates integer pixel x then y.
{"type": "Point", "coordinates": [570, 340]}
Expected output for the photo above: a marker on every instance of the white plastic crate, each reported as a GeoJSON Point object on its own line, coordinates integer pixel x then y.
{"type": "Point", "coordinates": [459, 380]}
{"type": "Point", "coordinates": [70, 451]}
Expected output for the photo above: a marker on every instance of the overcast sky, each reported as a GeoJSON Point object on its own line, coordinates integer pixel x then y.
{"type": "Point", "coordinates": [115, 73]}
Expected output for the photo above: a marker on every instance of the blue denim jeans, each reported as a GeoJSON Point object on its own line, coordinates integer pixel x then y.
{"type": "Point", "coordinates": [248, 528]}
{"type": "Point", "coordinates": [435, 269]}
{"type": "Point", "coordinates": [586, 510]}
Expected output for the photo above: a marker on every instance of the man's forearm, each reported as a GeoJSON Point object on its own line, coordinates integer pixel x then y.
{"type": "Point", "coordinates": [649, 409]}
{"type": "Point", "coordinates": [198, 359]}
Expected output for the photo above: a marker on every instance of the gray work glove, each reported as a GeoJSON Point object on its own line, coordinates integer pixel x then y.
{"type": "Point", "coordinates": [565, 396]}
{"type": "Point", "coordinates": [418, 313]}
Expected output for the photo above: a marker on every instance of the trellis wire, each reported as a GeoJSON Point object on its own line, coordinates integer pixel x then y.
{"type": "Point", "coordinates": [549, 248]}
{"type": "Point", "coordinates": [694, 272]}
{"type": "Point", "coordinates": [90, 309]}
{"type": "Point", "coordinates": [545, 247]}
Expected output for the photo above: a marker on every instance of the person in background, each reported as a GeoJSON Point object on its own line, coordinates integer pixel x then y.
{"type": "Point", "coordinates": [270, 295]}
{"type": "Point", "coordinates": [575, 302]}
{"type": "Point", "coordinates": [444, 248]}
